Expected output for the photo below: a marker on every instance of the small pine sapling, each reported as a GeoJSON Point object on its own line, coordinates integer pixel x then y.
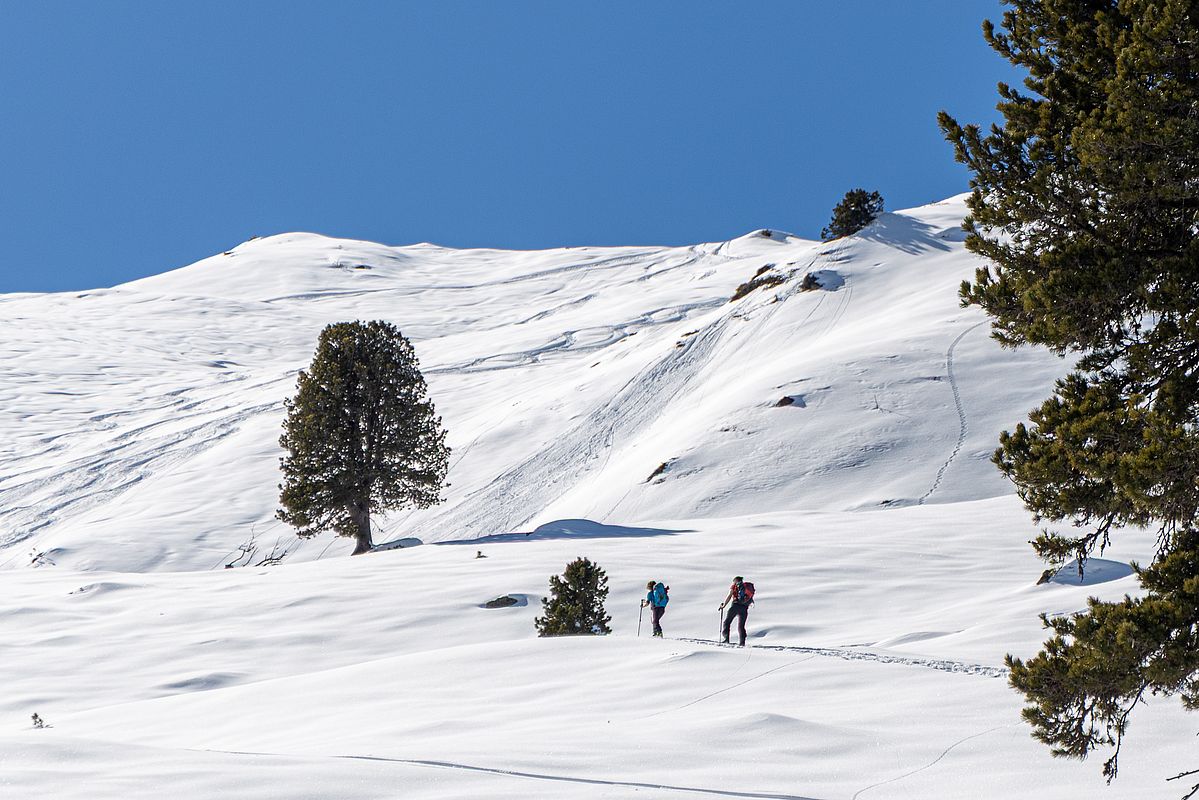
{"type": "Point", "coordinates": [576, 602]}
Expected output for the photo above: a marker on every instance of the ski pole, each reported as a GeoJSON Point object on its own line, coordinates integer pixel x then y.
{"type": "Point", "coordinates": [719, 630]}
{"type": "Point", "coordinates": [639, 613]}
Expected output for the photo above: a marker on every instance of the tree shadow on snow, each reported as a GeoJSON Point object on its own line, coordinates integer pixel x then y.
{"type": "Point", "coordinates": [570, 529]}
{"type": "Point", "coordinates": [397, 544]}
{"type": "Point", "coordinates": [908, 235]}
{"type": "Point", "coordinates": [830, 280]}
{"type": "Point", "coordinates": [1095, 570]}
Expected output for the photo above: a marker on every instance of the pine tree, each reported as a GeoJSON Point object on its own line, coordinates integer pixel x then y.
{"type": "Point", "coordinates": [576, 604]}
{"type": "Point", "coordinates": [361, 435]}
{"type": "Point", "coordinates": [855, 211]}
{"type": "Point", "coordinates": [1086, 204]}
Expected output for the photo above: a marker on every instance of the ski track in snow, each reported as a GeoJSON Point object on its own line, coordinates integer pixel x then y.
{"type": "Point", "coordinates": [963, 426]}
{"type": "Point", "coordinates": [566, 342]}
{"type": "Point", "coordinates": [540, 776]}
{"type": "Point", "coordinates": [514, 496]}
{"type": "Point", "coordinates": [729, 688]}
{"type": "Point", "coordinates": [826, 259]}
{"type": "Point", "coordinates": [941, 665]}
{"type": "Point", "coordinates": [131, 456]}
{"type": "Point", "coordinates": [506, 503]}
{"type": "Point", "coordinates": [610, 262]}
{"type": "Point", "coordinates": [930, 764]}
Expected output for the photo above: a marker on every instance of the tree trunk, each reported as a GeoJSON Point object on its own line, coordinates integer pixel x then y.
{"type": "Point", "coordinates": [360, 513]}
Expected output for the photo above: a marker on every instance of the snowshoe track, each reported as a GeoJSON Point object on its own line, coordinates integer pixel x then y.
{"type": "Point", "coordinates": [963, 425]}
{"type": "Point", "coordinates": [846, 654]}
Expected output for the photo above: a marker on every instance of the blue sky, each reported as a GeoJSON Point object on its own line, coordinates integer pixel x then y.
{"type": "Point", "coordinates": [137, 137]}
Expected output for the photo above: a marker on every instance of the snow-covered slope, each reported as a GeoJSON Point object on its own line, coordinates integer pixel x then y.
{"type": "Point", "coordinates": [140, 423]}
{"type": "Point", "coordinates": [608, 402]}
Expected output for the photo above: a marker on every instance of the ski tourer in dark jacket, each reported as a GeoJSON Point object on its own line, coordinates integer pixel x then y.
{"type": "Point", "coordinates": [739, 599]}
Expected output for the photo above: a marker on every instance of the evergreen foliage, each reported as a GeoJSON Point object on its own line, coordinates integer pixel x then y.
{"type": "Point", "coordinates": [1086, 204]}
{"type": "Point", "coordinates": [361, 435]}
{"type": "Point", "coordinates": [855, 211]}
{"type": "Point", "coordinates": [576, 604]}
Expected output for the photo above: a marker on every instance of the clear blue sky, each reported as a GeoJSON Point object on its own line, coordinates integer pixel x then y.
{"type": "Point", "coordinates": [136, 137]}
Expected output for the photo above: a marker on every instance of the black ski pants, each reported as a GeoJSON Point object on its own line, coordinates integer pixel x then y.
{"type": "Point", "coordinates": [656, 613]}
{"type": "Point", "coordinates": [740, 611]}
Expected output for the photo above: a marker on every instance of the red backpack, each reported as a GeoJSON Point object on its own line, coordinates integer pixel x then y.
{"type": "Point", "coordinates": [745, 596]}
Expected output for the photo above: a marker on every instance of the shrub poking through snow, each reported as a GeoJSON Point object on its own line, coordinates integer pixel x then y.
{"type": "Point", "coordinates": [756, 282]}
{"type": "Point", "coordinates": [38, 722]}
{"type": "Point", "coordinates": [855, 211]}
{"type": "Point", "coordinates": [810, 282]}
{"type": "Point", "coordinates": [576, 602]}
{"type": "Point", "coordinates": [660, 469]}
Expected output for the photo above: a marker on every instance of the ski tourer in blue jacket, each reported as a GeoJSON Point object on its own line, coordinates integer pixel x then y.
{"type": "Point", "coordinates": [656, 598]}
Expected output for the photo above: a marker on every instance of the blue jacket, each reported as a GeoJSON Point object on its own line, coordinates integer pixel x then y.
{"type": "Point", "coordinates": [657, 596]}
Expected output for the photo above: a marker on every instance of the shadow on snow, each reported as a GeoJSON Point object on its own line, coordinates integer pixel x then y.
{"type": "Point", "coordinates": [908, 235]}
{"type": "Point", "coordinates": [1095, 570]}
{"type": "Point", "coordinates": [570, 529]}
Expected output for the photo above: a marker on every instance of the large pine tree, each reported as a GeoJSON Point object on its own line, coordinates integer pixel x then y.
{"type": "Point", "coordinates": [1085, 203]}
{"type": "Point", "coordinates": [361, 435]}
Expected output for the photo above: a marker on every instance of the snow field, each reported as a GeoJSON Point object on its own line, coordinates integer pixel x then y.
{"type": "Point", "coordinates": [874, 668]}
{"type": "Point", "coordinates": [139, 456]}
